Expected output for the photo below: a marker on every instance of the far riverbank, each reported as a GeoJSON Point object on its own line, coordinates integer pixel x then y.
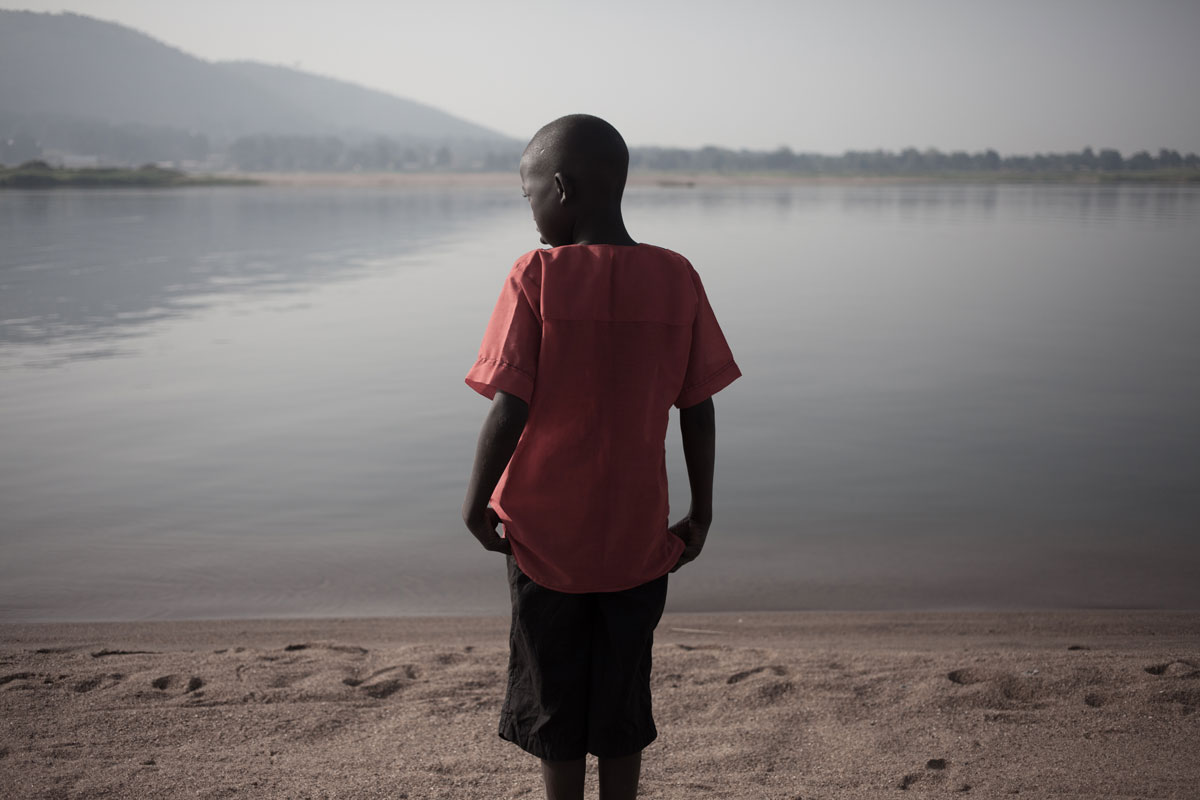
{"type": "Point", "coordinates": [693, 179]}
{"type": "Point", "coordinates": [40, 175]}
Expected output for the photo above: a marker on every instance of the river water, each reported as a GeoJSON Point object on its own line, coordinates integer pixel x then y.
{"type": "Point", "coordinates": [248, 401]}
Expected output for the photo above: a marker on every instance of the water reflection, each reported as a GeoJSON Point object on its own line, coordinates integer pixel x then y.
{"type": "Point", "coordinates": [94, 268]}
{"type": "Point", "coordinates": [915, 201]}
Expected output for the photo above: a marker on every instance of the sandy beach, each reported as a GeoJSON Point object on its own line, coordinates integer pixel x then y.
{"type": "Point", "coordinates": [1085, 704]}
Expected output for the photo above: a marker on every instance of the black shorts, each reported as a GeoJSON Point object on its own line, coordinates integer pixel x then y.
{"type": "Point", "coordinates": [579, 669]}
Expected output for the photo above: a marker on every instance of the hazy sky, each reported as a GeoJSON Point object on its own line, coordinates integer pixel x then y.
{"type": "Point", "coordinates": [1020, 76]}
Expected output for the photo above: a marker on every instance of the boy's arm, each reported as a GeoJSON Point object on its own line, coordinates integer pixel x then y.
{"type": "Point", "coordinates": [698, 424]}
{"type": "Point", "coordinates": [498, 439]}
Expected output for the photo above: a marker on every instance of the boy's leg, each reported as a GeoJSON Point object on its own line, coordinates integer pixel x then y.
{"type": "Point", "coordinates": [619, 777]}
{"type": "Point", "coordinates": [564, 779]}
{"type": "Point", "coordinates": [545, 705]}
{"type": "Point", "coordinates": [620, 718]}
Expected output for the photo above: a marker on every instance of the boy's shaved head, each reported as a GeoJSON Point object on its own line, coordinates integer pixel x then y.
{"type": "Point", "coordinates": [573, 173]}
{"type": "Point", "coordinates": [580, 145]}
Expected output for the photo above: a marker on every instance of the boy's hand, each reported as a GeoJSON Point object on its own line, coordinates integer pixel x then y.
{"type": "Point", "coordinates": [497, 440]}
{"type": "Point", "coordinates": [483, 527]}
{"type": "Point", "coordinates": [693, 532]}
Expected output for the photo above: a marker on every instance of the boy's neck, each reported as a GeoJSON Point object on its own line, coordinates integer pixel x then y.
{"type": "Point", "coordinates": [606, 229]}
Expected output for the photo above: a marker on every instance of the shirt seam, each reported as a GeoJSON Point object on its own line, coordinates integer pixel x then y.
{"type": "Point", "coordinates": [714, 376]}
{"type": "Point", "coordinates": [622, 321]}
{"type": "Point", "coordinates": [502, 363]}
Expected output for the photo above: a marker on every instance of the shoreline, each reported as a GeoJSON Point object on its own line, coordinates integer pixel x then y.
{"type": "Point", "coordinates": [832, 705]}
{"type": "Point", "coordinates": [684, 180]}
{"type": "Point", "coordinates": [142, 178]}
{"type": "Point", "coordinates": [745, 626]}
{"type": "Point", "coordinates": [67, 628]}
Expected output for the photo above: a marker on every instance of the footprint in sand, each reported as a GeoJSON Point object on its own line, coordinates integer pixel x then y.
{"type": "Point", "coordinates": [18, 676]}
{"type": "Point", "coordinates": [337, 648]}
{"type": "Point", "coordinates": [965, 677]}
{"type": "Point", "coordinates": [1175, 669]}
{"type": "Point", "coordinates": [387, 687]}
{"type": "Point", "coordinates": [934, 768]}
{"type": "Point", "coordinates": [998, 690]}
{"type": "Point", "coordinates": [287, 680]}
{"type": "Point", "coordinates": [167, 683]}
{"type": "Point", "coordinates": [97, 681]}
{"type": "Point", "coordinates": [738, 677]}
{"type": "Point", "coordinates": [672, 679]}
{"type": "Point", "coordinates": [88, 684]}
{"type": "Point", "coordinates": [384, 689]}
{"type": "Point", "coordinates": [1188, 699]}
{"type": "Point", "coordinates": [771, 692]}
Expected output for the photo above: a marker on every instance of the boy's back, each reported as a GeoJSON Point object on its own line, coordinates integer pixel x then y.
{"type": "Point", "coordinates": [590, 344]}
{"type": "Point", "coordinates": [600, 341]}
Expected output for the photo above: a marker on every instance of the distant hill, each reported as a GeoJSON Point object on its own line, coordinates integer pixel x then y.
{"type": "Point", "coordinates": [355, 111]}
{"type": "Point", "coordinates": [65, 72]}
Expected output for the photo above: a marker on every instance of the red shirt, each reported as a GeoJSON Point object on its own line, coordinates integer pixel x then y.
{"type": "Point", "coordinates": [600, 341]}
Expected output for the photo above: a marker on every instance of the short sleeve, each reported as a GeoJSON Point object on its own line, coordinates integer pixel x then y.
{"type": "Point", "coordinates": [710, 362]}
{"type": "Point", "coordinates": [508, 355]}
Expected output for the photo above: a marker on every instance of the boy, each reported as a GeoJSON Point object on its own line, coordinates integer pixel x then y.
{"type": "Point", "coordinates": [591, 342]}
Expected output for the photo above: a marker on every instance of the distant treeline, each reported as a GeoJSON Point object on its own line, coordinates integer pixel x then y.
{"type": "Point", "coordinates": [380, 154]}
{"type": "Point", "coordinates": [309, 154]}
{"type": "Point", "coordinates": [79, 142]}
{"type": "Point", "coordinates": [40, 175]}
{"type": "Point", "coordinates": [906, 162]}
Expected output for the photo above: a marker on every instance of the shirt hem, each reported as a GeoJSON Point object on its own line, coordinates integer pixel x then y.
{"type": "Point", "coordinates": [679, 548]}
{"type": "Point", "coordinates": [489, 376]}
{"type": "Point", "coordinates": [700, 392]}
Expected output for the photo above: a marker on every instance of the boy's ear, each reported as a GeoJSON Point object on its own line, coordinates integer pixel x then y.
{"type": "Point", "coordinates": [562, 185]}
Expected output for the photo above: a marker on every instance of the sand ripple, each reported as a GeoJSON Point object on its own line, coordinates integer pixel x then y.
{"type": "Point", "coordinates": [1095, 705]}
